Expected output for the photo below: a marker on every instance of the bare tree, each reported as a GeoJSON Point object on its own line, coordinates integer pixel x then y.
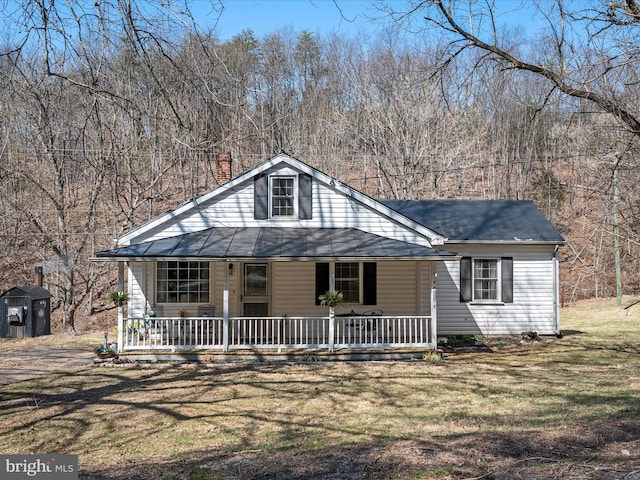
{"type": "Point", "coordinates": [584, 53]}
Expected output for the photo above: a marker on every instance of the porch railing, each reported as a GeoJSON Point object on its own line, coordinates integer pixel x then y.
{"type": "Point", "coordinates": [277, 333]}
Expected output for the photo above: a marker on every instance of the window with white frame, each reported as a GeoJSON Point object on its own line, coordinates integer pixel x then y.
{"type": "Point", "coordinates": [485, 279]}
{"type": "Point", "coordinates": [182, 282]}
{"type": "Point", "coordinates": [283, 197]}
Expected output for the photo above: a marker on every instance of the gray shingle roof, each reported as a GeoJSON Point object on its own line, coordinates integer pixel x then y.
{"type": "Point", "coordinates": [480, 220]}
{"type": "Point", "coordinates": [273, 242]}
{"type": "Point", "coordinates": [34, 291]}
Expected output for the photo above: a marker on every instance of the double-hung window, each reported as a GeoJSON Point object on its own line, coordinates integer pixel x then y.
{"type": "Point", "coordinates": [283, 198]}
{"type": "Point", "coordinates": [182, 282]}
{"type": "Point", "coordinates": [347, 275]}
{"type": "Point", "coordinates": [358, 281]}
{"type": "Point", "coordinates": [486, 280]}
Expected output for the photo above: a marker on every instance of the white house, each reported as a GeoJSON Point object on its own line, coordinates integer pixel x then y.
{"type": "Point", "coordinates": [242, 266]}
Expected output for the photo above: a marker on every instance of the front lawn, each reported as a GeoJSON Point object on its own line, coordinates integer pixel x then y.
{"type": "Point", "coordinates": [559, 408]}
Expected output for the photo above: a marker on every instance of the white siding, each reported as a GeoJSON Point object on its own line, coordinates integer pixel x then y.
{"type": "Point", "coordinates": [138, 282]}
{"type": "Point", "coordinates": [533, 304]}
{"type": "Point", "coordinates": [332, 208]}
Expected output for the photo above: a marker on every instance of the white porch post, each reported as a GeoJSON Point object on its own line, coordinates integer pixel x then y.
{"type": "Point", "coordinates": [225, 310]}
{"type": "Point", "coordinates": [332, 328]}
{"type": "Point", "coordinates": [120, 338]}
{"type": "Point", "coordinates": [332, 316]}
{"type": "Point", "coordinates": [433, 338]}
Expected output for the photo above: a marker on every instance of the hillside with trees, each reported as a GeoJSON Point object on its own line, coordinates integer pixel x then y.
{"type": "Point", "coordinates": [112, 113]}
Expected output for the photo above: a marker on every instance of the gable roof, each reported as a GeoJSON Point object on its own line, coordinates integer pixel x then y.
{"type": "Point", "coordinates": [383, 210]}
{"type": "Point", "coordinates": [236, 243]}
{"type": "Point", "coordinates": [481, 220]}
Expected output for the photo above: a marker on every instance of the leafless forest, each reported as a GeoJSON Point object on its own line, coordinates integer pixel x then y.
{"type": "Point", "coordinates": [112, 112]}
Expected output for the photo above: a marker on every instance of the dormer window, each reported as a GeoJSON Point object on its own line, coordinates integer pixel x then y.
{"type": "Point", "coordinates": [283, 197]}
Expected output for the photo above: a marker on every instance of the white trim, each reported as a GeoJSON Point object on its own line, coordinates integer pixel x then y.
{"type": "Point", "coordinates": [295, 196]}
{"type": "Point", "coordinates": [488, 301]}
{"type": "Point", "coordinates": [556, 292]}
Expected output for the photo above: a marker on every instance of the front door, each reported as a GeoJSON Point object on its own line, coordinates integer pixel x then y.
{"type": "Point", "coordinates": [255, 290]}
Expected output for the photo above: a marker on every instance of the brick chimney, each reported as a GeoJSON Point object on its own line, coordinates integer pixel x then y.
{"type": "Point", "coordinates": [223, 165]}
{"type": "Point", "coordinates": [39, 275]}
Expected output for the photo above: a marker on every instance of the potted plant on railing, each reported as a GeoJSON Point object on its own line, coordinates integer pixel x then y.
{"type": "Point", "coordinates": [331, 298]}
{"type": "Point", "coordinates": [119, 298]}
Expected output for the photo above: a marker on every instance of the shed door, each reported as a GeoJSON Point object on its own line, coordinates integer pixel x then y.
{"type": "Point", "coordinates": [255, 290]}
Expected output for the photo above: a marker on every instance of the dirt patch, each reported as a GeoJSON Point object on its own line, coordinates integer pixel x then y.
{"type": "Point", "coordinates": [470, 343]}
{"type": "Point", "coordinates": [21, 359]}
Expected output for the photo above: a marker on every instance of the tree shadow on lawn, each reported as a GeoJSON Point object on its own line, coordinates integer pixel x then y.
{"type": "Point", "coordinates": [572, 453]}
{"type": "Point", "coordinates": [77, 401]}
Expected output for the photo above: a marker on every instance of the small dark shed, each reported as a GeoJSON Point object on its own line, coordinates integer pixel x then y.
{"type": "Point", "coordinates": [25, 312]}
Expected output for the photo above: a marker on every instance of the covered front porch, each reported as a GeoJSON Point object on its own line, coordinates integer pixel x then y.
{"type": "Point", "coordinates": [211, 299]}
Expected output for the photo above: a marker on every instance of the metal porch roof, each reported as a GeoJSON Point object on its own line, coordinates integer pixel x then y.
{"type": "Point", "coordinates": [270, 243]}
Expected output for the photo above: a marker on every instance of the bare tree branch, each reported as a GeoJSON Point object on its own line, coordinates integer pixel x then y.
{"type": "Point", "coordinates": [561, 81]}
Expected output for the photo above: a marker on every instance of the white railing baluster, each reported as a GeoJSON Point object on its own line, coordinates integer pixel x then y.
{"type": "Point", "coordinates": [355, 332]}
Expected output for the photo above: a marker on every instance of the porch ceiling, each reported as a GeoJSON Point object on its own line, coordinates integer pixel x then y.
{"type": "Point", "coordinates": [272, 243]}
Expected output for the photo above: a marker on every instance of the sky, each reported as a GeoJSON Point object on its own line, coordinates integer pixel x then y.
{"type": "Point", "coordinates": [270, 16]}
{"type": "Point", "coordinates": [347, 17]}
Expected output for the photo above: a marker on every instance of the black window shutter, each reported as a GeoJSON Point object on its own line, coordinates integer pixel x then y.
{"type": "Point", "coordinates": [369, 284]}
{"type": "Point", "coordinates": [465, 280]}
{"type": "Point", "coordinates": [305, 200]}
{"type": "Point", "coordinates": [507, 279]}
{"type": "Point", "coordinates": [322, 280]}
{"type": "Point", "coordinates": [261, 197]}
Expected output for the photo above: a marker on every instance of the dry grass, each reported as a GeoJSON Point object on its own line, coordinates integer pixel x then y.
{"type": "Point", "coordinates": [559, 408]}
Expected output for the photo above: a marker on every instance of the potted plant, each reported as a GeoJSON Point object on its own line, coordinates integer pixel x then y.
{"type": "Point", "coordinates": [118, 298]}
{"type": "Point", "coordinates": [104, 350]}
{"type": "Point", "coordinates": [331, 298]}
